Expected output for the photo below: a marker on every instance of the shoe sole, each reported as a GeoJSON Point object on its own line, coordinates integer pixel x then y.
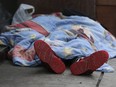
{"type": "Point", "coordinates": [48, 57]}
{"type": "Point", "coordinates": [90, 63]}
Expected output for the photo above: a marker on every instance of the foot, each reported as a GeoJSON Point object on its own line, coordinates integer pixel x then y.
{"type": "Point", "coordinates": [48, 57]}
{"type": "Point", "coordinates": [90, 63]}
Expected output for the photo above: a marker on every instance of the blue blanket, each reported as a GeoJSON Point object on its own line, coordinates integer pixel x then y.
{"type": "Point", "coordinates": [69, 37]}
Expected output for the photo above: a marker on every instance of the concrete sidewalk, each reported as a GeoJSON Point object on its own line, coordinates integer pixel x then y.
{"type": "Point", "coordinates": [14, 76]}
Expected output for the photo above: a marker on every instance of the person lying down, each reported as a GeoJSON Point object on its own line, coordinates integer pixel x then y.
{"type": "Point", "coordinates": [52, 39]}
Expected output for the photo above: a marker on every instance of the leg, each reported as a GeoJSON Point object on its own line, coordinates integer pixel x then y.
{"type": "Point", "coordinates": [48, 57]}
{"type": "Point", "coordinates": [90, 63]}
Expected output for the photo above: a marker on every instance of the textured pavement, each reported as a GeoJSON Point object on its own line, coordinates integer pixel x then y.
{"type": "Point", "coordinates": [15, 76]}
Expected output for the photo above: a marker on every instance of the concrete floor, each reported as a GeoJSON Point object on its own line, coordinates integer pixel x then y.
{"type": "Point", "coordinates": [14, 76]}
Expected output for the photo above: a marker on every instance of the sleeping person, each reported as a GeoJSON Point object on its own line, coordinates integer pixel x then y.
{"type": "Point", "coordinates": [73, 42]}
{"type": "Point", "coordinates": [65, 38]}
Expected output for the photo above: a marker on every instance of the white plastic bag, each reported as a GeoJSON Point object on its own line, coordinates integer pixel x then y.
{"type": "Point", "coordinates": [23, 13]}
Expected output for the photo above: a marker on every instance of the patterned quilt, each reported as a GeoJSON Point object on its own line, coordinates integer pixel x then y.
{"type": "Point", "coordinates": [68, 36]}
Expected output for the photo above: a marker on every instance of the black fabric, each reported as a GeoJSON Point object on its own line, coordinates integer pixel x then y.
{"type": "Point", "coordinates": [3, 53]}
{"type": "Point", "coordinates": [69, 12]}
{"type": "Point", "coordinates": [5, 18]}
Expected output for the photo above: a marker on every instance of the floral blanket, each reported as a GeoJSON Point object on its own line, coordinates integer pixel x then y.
{"type": "Point", "coordinates": [68, 36]}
